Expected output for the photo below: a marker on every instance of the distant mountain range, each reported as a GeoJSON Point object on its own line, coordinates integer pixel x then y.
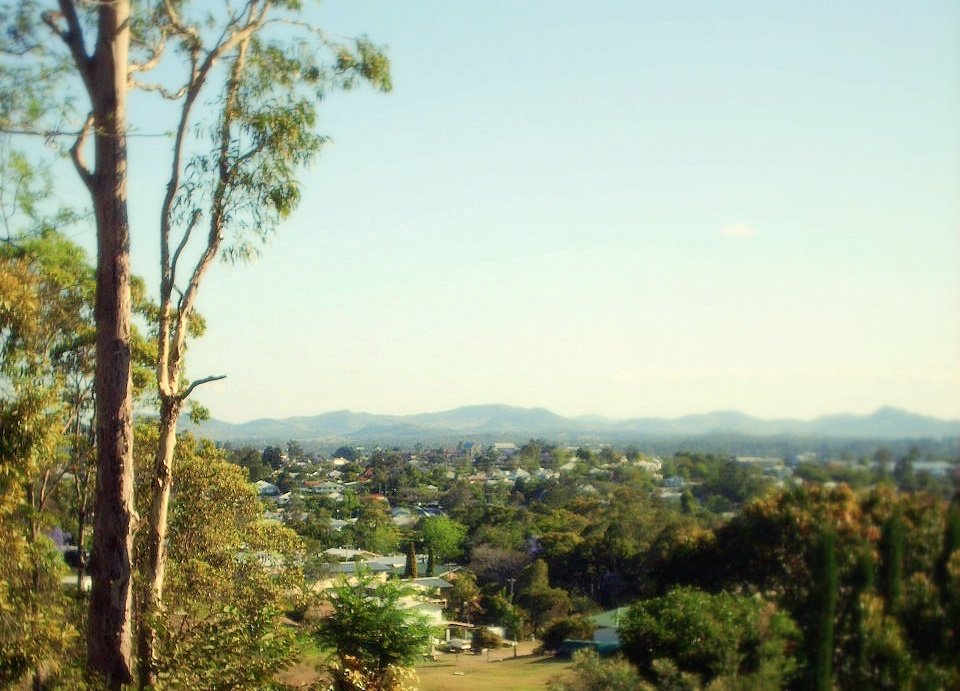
{"type": "Point", "coordinates": [487, 423]}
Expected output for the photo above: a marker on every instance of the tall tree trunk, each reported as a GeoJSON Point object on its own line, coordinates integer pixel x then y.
{"type": "Point", "coordinates": [109, 635]}
{"type": "Point", "coordinates": [157, 538]}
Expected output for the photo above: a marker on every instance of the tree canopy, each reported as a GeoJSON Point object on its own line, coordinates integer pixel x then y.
{"type": "Point", "coordinates": [373, 635]}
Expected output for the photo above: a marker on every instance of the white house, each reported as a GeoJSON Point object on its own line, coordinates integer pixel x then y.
{"type": "Point", "coordinates": [266, 489]}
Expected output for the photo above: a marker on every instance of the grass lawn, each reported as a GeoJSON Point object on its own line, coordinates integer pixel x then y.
{"type": "Point", "coordinates": [500, 672]}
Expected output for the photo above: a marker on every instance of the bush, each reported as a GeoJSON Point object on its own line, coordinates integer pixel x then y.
{"type": "Point", "coordinates": [710, 635]}
{"type": "Point", "coordinates": [576, 627]}
{"type": "Point", "coordinates": [485, 638]}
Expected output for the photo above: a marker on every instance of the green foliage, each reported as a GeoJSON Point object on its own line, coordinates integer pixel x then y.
{"type": "Point", "coordinates": [483, 638]}
{"type": "Point", "coordinates": [35, 624]}
{"type": "Point", "coordinates": [951, 545]}
{"type": "Point", "coordinates": [443, 537]}
{"type": "Point", "coordinates": [374, 530]}
{"type": "Point", "coordinates": [576, 627]}
{"type": "Point", "coordinates": [593, 674]}
{"type": "Point", "coordinates": [499, 611]}
{"type": "Point", "coordinates": [734, 482]}
{"type": "Point", "coordinates": [853, 664]}
{"type": "Point", "coordinates": [495, 565]}
{"type": "Point", "coordinates": [346, 452]}
{"type": "Point", "coordinates": [541, 602]}
{"type": "Point", "coordinates": [230, 577]}
{"type": "Point", "coordinates": [252, 460]}
{"type": "Point", "coordinates": [886, 655]}
{"type": "Point", "coordinates": [712, 636]}
{"type": "Point", "coordinates": [463, 598]}
{"type": "Point", "coordinates": [45, 336]}
{"type": "Point", "coordinates": [371, 633]}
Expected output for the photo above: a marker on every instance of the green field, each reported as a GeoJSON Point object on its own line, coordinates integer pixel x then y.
{"type": "Point", "coordinates": [497, 672]}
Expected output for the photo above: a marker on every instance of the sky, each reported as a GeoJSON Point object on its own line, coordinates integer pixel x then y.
{"type": "Point", "coordinates": [619, 208]}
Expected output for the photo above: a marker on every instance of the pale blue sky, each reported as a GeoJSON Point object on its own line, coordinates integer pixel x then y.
{"type": "Point", "coordinates": [624, 208]}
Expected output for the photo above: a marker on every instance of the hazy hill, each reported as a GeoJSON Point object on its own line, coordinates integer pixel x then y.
{"type": "Point", "coordinates": [504, 423]}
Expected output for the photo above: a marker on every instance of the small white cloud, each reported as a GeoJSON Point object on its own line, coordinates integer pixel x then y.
{"type": "Point", "coordinates": [738, 230]}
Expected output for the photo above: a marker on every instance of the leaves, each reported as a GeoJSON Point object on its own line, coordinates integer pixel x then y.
{"type": "Point", "coordinates": [231, 575]}
{"type": "Point", "coordinates": [709, 635]}
{"type": "Point", "coordinates": [371, 632]}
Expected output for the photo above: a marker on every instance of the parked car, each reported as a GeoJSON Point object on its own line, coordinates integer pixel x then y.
{"type": "Point", "coordinates": [458, 645]}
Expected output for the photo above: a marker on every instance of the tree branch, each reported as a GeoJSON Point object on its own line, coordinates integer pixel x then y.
{"type": "Point", "coordinates": [156, 54]}
{"type": "Point", "coordinates": [10, 127]}
{"type": "Point", "coordinates": [76, 153]}
{"type": "Point", "coordinates": [197, 213]}
{"type": "Point", "coordinates": [199, 382]}
{"type": "Point", "coordinates": [177, 23]}
{"type": "Point", "coordinates": [72, 37]}
{"type": "Point", "coordinates": [159, 89]}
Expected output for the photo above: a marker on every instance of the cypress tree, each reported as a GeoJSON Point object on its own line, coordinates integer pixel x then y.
{"type": "Point", "coordinates": [951, 543]}
{"type": "Point", "coordinates": [823, 603]}
{"type": "Point", "coordinates": [949, 596]}
{"type": "Point", "coordinates": [410, 569]}
{"type": "Point", "coordinates": [892, 542]}
{"type": "Point", "coordinates": [861, 584]}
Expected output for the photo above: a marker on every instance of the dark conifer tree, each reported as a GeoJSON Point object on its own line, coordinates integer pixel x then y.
{"type": "Point", "coordinates": [410, 570]}
{"type": "Point", "coordinates": [891, 566]}
{"type": "Point", "coordinates": [823, 602]}
{"type": "Point", "coordinates": [861, 584]}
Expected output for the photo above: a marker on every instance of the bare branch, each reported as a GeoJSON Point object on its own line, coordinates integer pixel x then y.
{"type": "Point", "coordinates": [9, 127]}
{"type": "Point", "coordinates": [156, 54]}
{"type": "Point", "coordinates": [308, 27]}
{"type": "Point", "coordinates": [218, 209]}
{"type": "Point", "coordinates": [72, 37]}
{"type": "Point", "coordinates": [159, 89]}
{"type": "Point", "coordinates": [76, 153]}
{"type": "Point", "coordinates": [197, 213]}
{"type": "Point", "coordinates": [177, 23]}
{"type": "Point", "coordinates": [50, 19]}
{"type": "Point", "coordinates": [199, 382]}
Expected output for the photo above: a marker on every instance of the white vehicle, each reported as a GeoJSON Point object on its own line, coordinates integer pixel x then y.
{"type": "Point", "coordinates": [458, 645]}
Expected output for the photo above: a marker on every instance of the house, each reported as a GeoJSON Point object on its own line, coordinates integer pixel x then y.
{"type": "Point", "coordinates": [402, 516]}
{"type": "Point", "coordinates": [471, 449]}
{"type": "Point", "coordinates": [760, 461]}
{"type": "Point", "coordinates": [936, 468]}
{"type": "Point", "coordinates": [266, 489]}
{"type": "Point", "coordinates": [343, 553]}
{"type": "Point", "coordinates": [674, 482]}
{"type": "Point", "coordinates": [430, 510]}
{"type": "Point", "coordinates": [429, 584]}
{"type": "Point", "coordinates": [328, 487]}
{"type": "Point", "coordinates": [653, 467]}
{"type": "Point", "coordinates": [337, 525]}
{"type": "Point", "coordinates": [607, 625]}
{"type": "Point", "coordinates": [515, 475]}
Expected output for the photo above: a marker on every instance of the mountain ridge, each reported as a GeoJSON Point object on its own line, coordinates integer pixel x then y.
{"type": "Point", "coordinates": [517, 423]}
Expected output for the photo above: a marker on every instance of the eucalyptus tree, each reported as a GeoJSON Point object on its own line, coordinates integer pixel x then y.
{"type": "Point", "coordinates": [92, 43]}
{"type": "Point", "coordinates": [245, 79]}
